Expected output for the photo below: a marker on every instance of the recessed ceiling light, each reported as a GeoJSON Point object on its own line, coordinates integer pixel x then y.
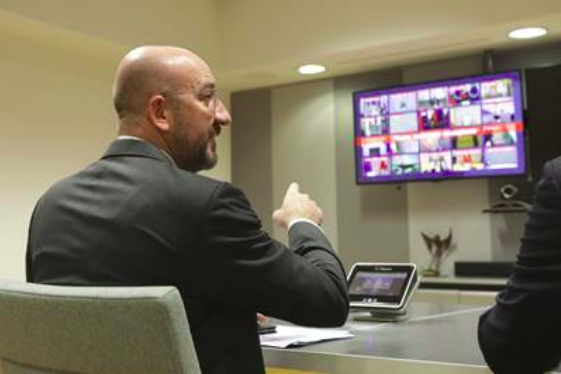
{"type": "Point", "coordinates": [311, 69]}
{"type": "Point", "coordinates": [527, 33]}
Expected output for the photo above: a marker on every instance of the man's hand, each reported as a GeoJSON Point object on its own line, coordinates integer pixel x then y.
{"type": "Point", "coordinates": [297, 205]}
{"type": "Point", "coordinates": [262, 319]}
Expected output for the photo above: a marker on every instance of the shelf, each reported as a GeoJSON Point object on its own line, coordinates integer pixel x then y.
{"type": "Point", "coordinates": [506, 210]}
{"type": "Point", "coordinates": [508, 206]}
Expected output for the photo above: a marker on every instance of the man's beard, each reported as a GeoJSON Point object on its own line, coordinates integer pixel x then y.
{"type": "Point", "coordinates": [196, 154]}
{"type": "Point", "coordinates": [206, 158]}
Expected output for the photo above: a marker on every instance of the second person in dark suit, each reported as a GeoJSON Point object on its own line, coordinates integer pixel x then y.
{"type": "Point", "coordinates": [521, 334]}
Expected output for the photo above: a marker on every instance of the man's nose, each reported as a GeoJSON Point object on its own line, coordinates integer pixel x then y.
{"type": "Point", "coordinates": [223, 117]}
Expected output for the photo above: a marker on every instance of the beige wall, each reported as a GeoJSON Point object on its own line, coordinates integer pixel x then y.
{"type": "Point", "coordinates": [303, 147]}
{"type": "Point", "coordinates": [56, 118]}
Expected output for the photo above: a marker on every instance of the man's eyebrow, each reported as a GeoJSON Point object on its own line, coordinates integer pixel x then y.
{"type": "Point", "coordinates": [208, 85]}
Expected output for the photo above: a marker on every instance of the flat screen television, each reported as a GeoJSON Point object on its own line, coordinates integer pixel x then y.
{"type": "Point", "coordinates": [456, 128]}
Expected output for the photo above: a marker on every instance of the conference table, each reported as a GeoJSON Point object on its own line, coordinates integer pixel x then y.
{"type": "Point", "coordinates": [433, 338]}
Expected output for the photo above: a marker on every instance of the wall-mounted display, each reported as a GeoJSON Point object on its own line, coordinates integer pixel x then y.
{"type": "Point", "coordinates": [457, 128]}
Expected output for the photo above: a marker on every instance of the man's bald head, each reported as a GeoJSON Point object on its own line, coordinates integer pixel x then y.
{"type": "Point", "coordinates": [149, 70]}
{"type": "Point", "coordinates": [167, 96]}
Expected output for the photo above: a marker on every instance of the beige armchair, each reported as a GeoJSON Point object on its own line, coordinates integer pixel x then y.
{"type": "Point", "coordinates": [93, 330]}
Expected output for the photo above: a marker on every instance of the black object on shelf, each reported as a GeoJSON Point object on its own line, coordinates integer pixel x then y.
{"type": "Point", "coordinates": [487, 269]}
{"type": "Point", "coordinates": [507, 204]}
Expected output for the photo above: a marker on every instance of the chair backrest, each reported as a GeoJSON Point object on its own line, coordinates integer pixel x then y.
{"type": "Point", "coordinates": [114, 330]}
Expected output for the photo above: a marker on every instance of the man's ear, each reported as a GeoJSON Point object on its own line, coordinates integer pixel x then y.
{"type": "Point", "coordinates": [158, 113]}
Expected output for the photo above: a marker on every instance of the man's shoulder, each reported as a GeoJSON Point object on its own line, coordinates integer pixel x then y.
{"type": "Point", "coordinates": [208, 186]}
{"type": "Point", "coordinates": [148, 175]}
{"type": "Point", "coordinates": [149, 181]}
{"type": "Point", "coordinates": [181, 186]}
{"type": "Point", "coordinates": [203, 182]}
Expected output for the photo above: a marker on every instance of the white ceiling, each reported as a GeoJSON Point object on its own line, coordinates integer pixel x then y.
{"type": "Point", "coordinates": [256, 43]}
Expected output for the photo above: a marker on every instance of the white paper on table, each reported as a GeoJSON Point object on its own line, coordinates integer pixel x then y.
{"type": "Point", "coordinates": [287, 336]}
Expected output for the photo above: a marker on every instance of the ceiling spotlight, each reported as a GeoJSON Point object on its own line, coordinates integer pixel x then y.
{"type": "Point", "coordinates": [311, 69]}
{"type": "Point", "coordinates": [527, 33]}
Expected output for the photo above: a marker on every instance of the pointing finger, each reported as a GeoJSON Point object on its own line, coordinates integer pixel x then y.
{"type": "Point", "coordinates": [294, 188]}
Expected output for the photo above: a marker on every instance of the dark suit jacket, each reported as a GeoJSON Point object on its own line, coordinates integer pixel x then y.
{"type": "Point", "coordinates": [522, 332]}
{"type": "Point", "coordinates": [134, 218]}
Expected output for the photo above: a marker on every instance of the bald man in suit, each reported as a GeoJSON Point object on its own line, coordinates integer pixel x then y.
{"type": "Point", "coordinates": [141, 215]}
